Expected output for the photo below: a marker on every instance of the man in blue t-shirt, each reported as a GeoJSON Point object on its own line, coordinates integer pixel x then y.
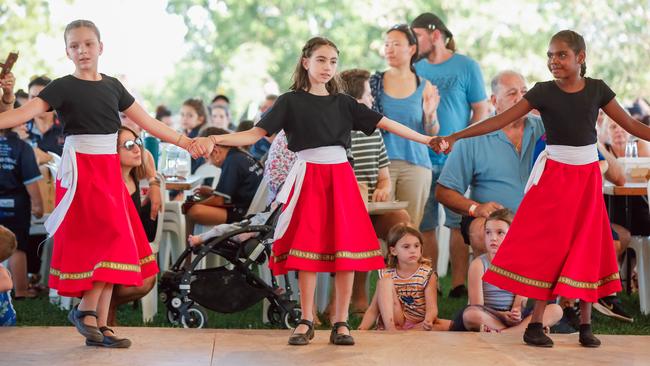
{"type": "Point", "coordinates": [494, 166]}
{"type": "Point", "coordinates": [462, 102]}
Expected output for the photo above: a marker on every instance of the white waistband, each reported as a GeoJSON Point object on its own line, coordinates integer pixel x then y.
{"type": "Point", "coordinates": [296, 176]}
{"type": "Point", "coordinates": [92, 144]}
{"type": "Point", "coordinates": [324, 155]}
{"type": "Point", "coordinates": [572, 155]}
{"type": "Point", "coordinates": [67, 171]}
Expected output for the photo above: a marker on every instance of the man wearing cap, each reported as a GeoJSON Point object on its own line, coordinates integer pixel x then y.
{"type": "Point", "coordinates": [462, 101]}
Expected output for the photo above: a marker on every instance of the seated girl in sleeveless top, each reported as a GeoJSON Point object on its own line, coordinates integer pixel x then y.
{"type": "Point", "coordinates": [490, 308]}
{"type": "Point", "coordinates": [406, 295]}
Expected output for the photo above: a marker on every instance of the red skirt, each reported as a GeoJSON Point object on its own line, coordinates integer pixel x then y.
{"type": "Point", "coordinates": [560, 242]}
{"type": "Point", "coordinates": [101, 237]}
{"type": "Point", "coordinates": [330, 229]}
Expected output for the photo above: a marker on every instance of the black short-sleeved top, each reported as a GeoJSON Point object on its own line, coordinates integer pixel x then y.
{"type": "Point", "coordinates": [87, 107]}
{"type": "Point", "coordinates": [240, 176]}
{"type": "Point", "coordinates": [570, 118]}
{"type": "Point", "coordinates": [312, 121]}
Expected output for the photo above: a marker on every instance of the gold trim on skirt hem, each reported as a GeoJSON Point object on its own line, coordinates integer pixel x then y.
{"type": "Point", "coordinates": [519, 278]}
{"type": "Point", "coordinates": [148, 259]}
{"type": "Point", "coordinates": [562, 279]}
{"type": "Point", "coordinates": [588, 285]}
{"type": "Point", "coordinates": [104, 264]}
{"type": "Point", "coordinates": [327, 257]}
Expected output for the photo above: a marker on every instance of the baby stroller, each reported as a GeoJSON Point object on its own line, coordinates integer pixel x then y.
{"type": "Point", "coordinates": [231, 288]}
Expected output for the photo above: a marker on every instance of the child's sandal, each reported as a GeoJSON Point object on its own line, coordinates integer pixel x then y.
{"type": "Point", "coordinates": [91, 333]}
{"type": "Point", "coordinates": [301, 339]}
{"type": "Point", "coordinates": [110, 341]}
{"type": "Point", "coordinates": [341, 339]}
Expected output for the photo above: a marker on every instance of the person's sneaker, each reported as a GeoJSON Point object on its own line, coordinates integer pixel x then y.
{"type": "Point", "coordinates": [458, 292]}
{"type": "Point", "coordinates": [535, 336]}
{"type": "Point", "coordinates": [587, 338]}
{"type": "Point", "coordinates": [572, 316]}
{"type": "Point", "coordinates": [611, 306]}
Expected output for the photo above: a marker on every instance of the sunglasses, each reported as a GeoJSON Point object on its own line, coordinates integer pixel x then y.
{"type": "Point", "coordinates": [408, 31]}
{"type": "Point", "coordinates": [130, 144]}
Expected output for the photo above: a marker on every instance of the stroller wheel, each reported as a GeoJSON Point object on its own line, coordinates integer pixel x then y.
{"type": "Point", "coordinates": [274, 313]}
{"type": "Point", "coordinates": [291, 318]}
{"type": "Point", "coordinates": [173, 317]}
{"type": "Point", "coordinates": [194, 317]}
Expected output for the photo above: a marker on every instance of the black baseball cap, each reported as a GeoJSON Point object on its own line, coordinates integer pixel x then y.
{"type": "Point", "coordinates": [432, 22]}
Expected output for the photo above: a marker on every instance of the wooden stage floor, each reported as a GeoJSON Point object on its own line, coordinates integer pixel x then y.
{"type": "Point", "coordinates": [197, 347]}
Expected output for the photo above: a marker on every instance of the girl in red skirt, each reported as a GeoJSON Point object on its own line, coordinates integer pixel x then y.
{"type": "Point", "coordinates": [324, 226]}
{"type": "Point", "coordinates": [560, 242]}
{"type": "Point", "coordinates": [98, 237]}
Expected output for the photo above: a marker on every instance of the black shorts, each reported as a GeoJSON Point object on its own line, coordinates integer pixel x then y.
{"type": "Point", "coordinates": [465, 222]}
{"type": "Point", "coordinates": [235, 214]}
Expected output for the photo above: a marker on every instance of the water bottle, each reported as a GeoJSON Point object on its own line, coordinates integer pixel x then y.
{"type": "Point", "coordinates": [175, 162]}
{"type": "Point", "coordinates": [183, 163]}
{"type": "Point", "coordinates": [631, 150]}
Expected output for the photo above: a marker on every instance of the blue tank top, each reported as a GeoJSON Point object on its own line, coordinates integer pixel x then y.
{"type": "Point", "coordinates": [494, 297]}
{"type": "Point", "coordinates": [407, 111]}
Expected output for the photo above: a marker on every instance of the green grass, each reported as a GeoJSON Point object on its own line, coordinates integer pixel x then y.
{"type": "Point", "coordinates": [39, 312]}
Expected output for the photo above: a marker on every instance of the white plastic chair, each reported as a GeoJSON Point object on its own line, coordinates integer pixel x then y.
{"type": "Point", "coordinates": [208, 170]}
{"type": "Point", "coordinates": [641, 246]}
{"type": "Point", "coordinates": [258, 204]}
{"type": "Point", "coordinates": [150, 301]}
{"type": "Point", "coordinates": [444, 237]}
{"type": "Point", "coordinates": [173, 239]}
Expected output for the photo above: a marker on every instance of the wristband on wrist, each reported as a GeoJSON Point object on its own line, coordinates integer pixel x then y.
{"type": "Point", "coordinates": [178, 140]}
{"type": "Point", "coordinates": [472, 210]}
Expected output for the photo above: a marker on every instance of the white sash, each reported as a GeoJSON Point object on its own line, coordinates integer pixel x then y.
{"type": "Point", "coordinates": [68, 173]}
{"type": "Point", "coordinates": [296, 176]}
{"type": "Point", "coordinates": [572, 155]}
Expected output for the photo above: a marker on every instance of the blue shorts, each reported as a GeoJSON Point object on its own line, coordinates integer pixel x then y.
{"type": "Point", "coordinates": [430, 219]}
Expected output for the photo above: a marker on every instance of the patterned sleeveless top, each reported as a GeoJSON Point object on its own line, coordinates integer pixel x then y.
{"type": "Point", "coordinates": [411, 291]}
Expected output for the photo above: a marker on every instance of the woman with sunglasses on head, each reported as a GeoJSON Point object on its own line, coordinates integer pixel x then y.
{"type": "Point", "coordinates": [402, 96]}
{"type": "Point", "coordinates": [136, 164]}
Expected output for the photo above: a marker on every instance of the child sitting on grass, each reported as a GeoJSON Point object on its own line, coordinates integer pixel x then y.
{"type": "Point", "coordinates": [490, 308]}
{"type": "Point", "coordinates": [406, 291]}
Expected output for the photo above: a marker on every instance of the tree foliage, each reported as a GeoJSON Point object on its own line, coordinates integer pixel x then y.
{"type": "Point", "coordinates": [498, 34]}
{"type": "Point", "coordinates": [21, 23]}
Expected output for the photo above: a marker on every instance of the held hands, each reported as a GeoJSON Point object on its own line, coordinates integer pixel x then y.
{"type": "Point", "coordinates": [201, 146]}
{"type": "Point", "coordinates": [442, 144]}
